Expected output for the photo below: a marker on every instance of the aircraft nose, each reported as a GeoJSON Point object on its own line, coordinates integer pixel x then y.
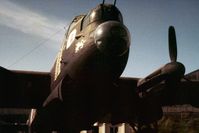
{"type": "Point", "coordinates": [112, 38]}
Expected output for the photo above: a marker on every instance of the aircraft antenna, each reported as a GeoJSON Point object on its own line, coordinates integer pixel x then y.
{"type": "Point", "coordinates": [35, 48]}
{"type": "Point", "coordinates": [115, 2]}
{"type": "Point", "coordinates": [103, 2]}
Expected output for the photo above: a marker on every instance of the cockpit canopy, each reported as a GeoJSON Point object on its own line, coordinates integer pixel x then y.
{"type": "Point", "coordinates": [103, 12]}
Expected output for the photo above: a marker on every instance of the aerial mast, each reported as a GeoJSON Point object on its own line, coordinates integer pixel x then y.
{"type": "Point", "coordinates": [103, 2]}
{"type": "Point", "coordinates": [115, 2]}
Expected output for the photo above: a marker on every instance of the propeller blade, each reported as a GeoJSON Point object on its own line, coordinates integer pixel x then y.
{"type": "Point", "coordinates": [172, 44]}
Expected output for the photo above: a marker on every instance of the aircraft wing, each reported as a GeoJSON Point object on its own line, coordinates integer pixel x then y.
{"type": "Point", "coordinates": [186, 92]}
{"type": "Point", "coordinates": [23, 89]}
{"type": "Point", "coordinates": [127, 86]}
{"type": "Point", "coordinates": [128, 82]}
{"type": "Point", "coordinates": [148, 107]}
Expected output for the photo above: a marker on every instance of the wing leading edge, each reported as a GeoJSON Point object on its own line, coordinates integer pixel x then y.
{"type": "Point", "coordinates": [23, 89]}
{"type": "Point", "coordinates": [184, 92]}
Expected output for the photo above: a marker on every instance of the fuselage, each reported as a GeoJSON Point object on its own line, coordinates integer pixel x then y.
{"type": "Point", "coordinates": [94, 53]}
{"type": "Point", "coordinates": [95, 47]}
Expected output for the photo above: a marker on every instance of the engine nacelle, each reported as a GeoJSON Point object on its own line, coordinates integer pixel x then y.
{"type": "Point", "coordinates": [174, 70]}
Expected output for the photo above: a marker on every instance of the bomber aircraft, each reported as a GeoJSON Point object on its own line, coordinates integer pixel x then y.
{"type": "Point", "coordinates": [84, 85]}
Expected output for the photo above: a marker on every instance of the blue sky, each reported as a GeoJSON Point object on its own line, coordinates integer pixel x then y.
{"type": "Point", "coordinates": [25, 25]}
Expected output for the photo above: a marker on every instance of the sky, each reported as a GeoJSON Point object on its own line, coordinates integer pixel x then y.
{"type": "Point", "coordinates": [31, 32]}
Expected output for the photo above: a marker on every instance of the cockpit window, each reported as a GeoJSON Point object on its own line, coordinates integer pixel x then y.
{"type": "Point", "coordinates": [86, 21]}
{"type": "Point", "coordinates": [103, 13]}
{"type": "Point", "coordinates": [111, 13]}
{"type": "Point", "coordinates": [95, 15]}
{"type": "Point", "coordinates": [92, 16]}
